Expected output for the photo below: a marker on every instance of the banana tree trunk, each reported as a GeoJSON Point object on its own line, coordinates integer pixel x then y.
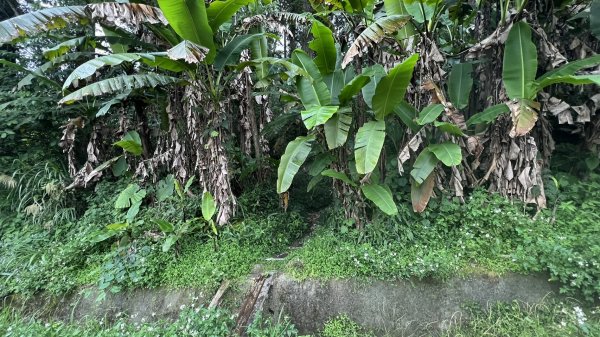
{"type": "Point", "coordinates": [207, 137]}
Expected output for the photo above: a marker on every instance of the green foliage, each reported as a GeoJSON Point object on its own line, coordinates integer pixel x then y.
{"type": "Point", "coordinates": [191, 322]}
{"type": "Point", "coordinates": [268, 327]}
{"type": "Point", "coordinates": [542, 320]}
{"type": "Point", "coordinates": [222, 11]}
{"type": "Point", "coordinates": [381, 197]}
{"type": "Point", "coordinates": [241, 246]}
{"type": "Point", "coordinates": [488, 115]}
{"type": "Point", "coordinates": [424, 166]}
{"type": "Point", "coordinates": [323, 45]}
{"type": "Point", "coordinates": [294, 156]}
{"type": "Point", "coordinates": [430, 113]}
{"type": "Point", "coordinates": [189, 19]}
{"type": "Point", "coordinates": [520, 63]}
{"type": "Point", "coordinates": [343, 326]}
{"type": "Point", "coordinates": [448, 153]}
{"type": "Point", "coordinates": [131, 198]}
{"type": "Point", "coordinates": [368, 145]}
{"type": "Point", "coordinates": [460, 83]}
{"type": "Point", "coordinates": [391, 88]}
{"type": "Point", "coordinates": [337, 128]}
{"type": "Point", "coordinates": [569, 246]}
{"type": "Point", "coordinates": [230, 54]}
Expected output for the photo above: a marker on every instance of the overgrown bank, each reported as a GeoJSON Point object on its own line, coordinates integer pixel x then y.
{"type": "Point", "coordinates": [486, 234]}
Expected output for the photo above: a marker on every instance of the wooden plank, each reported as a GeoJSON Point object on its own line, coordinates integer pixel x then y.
{"type": "Point", "coordinates": [253, 303]}
{"type": "Point", "coordinates": [216, 300]}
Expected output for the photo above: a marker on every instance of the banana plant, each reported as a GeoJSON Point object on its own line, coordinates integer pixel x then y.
{"type": "Point", "coordinates": [196, 26]}
{"type": "Point", "coordinates": [327, 93]}
{"type": "Point", "coordinates": [522, 87]}
{"type": "Point", "coordinates": [201, 52]}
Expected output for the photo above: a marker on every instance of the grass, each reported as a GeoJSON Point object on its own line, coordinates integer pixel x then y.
{"type": "Point", "coordinates": [486, 235]}
{"type": "Point", "coordinates": [440, 243]}
{"type": "Point", "coordinates": [517, 320]}
{"type": "Point", "coordinates": [550, 319]}
{"type": "Point", "coordinates": [192, 322]}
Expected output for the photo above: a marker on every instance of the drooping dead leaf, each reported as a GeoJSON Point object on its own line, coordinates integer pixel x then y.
{"type": "Point", "coordinates": [404, 155]}
{"type": "Point", "coordinates": [125, 14]}
{"type": "Point", "coordinates": [596, 100]}
{"type": "Point", "coordinates": [524, 115]}
{"type": "Point", "coordinates": [549, 50]}
{"type": "Point", "coordinates": [188, 52]}
{"type": "Point", "coordinates": [373, 34]}
{"type": "Point", "coordinates": [497, 37]}
{"type": "Point", "coordinates": [583, 113]}
{"type": "Point", "coordinates": [421, 193]}
{"type": "Point", "coordinates": [474, 146]}
{"type": "Point", "coordinates": [513, 152]}
{"type": "Point", "coordinates": [282, 18]}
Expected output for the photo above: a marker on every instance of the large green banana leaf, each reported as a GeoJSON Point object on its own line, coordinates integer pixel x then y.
{"type": "Point", "coordinates": [339, 176]}
{"type": "Point", "coordinates": [520, 63]}
{"type": "Point", "coordinates": [323, 45]}
{"type": "Point", "coordinates": [335, 83]}
{"type": "Point", "coordinates": [381, 196]}
{"type": "Point", "coordinates": [230, 54]}
{"type": "Point", "coordinates": [448, 153]}
{"type": "Point", "coordinates": [259, 49]}
{"type": "Point", "coordinates": [294, 156]}
{"type": "Point", "coordinates": [337, 128]}
{"type": "Point", "coordinates": [221, 11]}
{"type": "Point", "coordinates": [367, 146]}
{"type": "Point", "coordinates": [572, 67]}
{"type": "Point", "coordinates": [302, 60]}
{"type": "Point", "coordinates": [488, 115]}
{"type": "Point", "coordinates": [391, 89]}
{"type": "Point", "coordinates": [460, 83]}
{"type": "Point", "coordinates": [317, 115]}
{"type": "Point", "coordinates": [189, 20]}
{"type": "Point", "coordinates": [423, 166]}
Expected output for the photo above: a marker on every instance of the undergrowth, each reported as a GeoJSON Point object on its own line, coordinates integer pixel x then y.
{"type": "Point", "coordinates": [59, 258]}
{"type": "Point", "coordinates": [516, 319]}
{"type": "Point", "coordinates": [199, 322]}
{"type": "Point", "coordinates": [548, 319]}
{"type": "Point", "coordinates": [488, 234]}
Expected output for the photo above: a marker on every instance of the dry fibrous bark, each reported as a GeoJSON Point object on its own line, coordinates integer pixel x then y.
{"type": "Point", "coordinates": [207, 138]}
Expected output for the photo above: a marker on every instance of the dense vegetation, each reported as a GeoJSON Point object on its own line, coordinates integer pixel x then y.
{"type": "Point", "coordinates": [182, 143]}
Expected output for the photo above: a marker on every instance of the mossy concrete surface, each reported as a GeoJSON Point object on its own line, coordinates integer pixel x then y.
{"type": "Point", "coordinates": [401, 308]}
{"type": "Point", "coordinates": [139, 305]}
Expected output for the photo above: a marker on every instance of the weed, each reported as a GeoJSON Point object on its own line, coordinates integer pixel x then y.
{"type": "Point", "coordinates": [343, 326]}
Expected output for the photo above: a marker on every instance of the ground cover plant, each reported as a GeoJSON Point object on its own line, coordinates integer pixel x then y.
{"type": "Point", "coordinates": [193, 322]}
{"type": "Point", "coordinates": [487, 234]}
{"type": "Point", "coordinates": [503, 320]}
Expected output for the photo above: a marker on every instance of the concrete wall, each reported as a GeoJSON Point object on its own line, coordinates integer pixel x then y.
{"type": "Point", "coordinates": [401, 308]}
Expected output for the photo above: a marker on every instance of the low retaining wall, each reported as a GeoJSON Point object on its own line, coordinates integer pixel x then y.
{"type": "Point", "coordinates": [400, 308]}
